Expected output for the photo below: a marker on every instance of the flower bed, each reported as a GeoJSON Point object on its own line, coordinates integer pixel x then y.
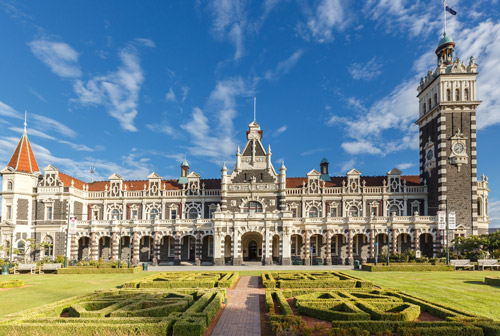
{"type": "Point", "coordinates": [11, 283]}
{"type": "Point", "coordinates": [121, 312]}
{"type": "Point", "coordinates": [405, 267]}
{"type": "Point", "coordinates": [326, 279]}
{"type": "Point", "coordinates": [186, 280]}
{"type": "Point", "coordinates": [368, 311]}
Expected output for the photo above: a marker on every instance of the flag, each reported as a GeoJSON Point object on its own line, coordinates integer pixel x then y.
{"type": "Point", "coordinates": [449, 10]}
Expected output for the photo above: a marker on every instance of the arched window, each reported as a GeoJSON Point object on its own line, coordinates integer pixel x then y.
{"type": "Point", "coordinates": [479, 207]}
{"type": "Point", "coordinates": [394, 208]}
{"type": "Point", "coordinates": [115, 214]}
{"type": "Point", "coordinates": [9, 185]}
{"type": "Point", "coordinates": [430, 103]}
{"type": "Point", "coordinates": [457, 94]}
{"type": "Point", "coordinates": [253, 206]}
{"type": "Point", "coordinates": [448, 95]}
{"type": "Point", "coordinates": [466, 94]}
{"type": "Point", "coordinates": [313, 212]}
{"type": "Point", "coordinates": [435, 98]}
{"type": "Point", "coordinates": [21, 246]}
{"type": "Point", "coordinates": [353, 211]}
{"type": "Point", "coordinates": [153, 214]}
{"type": "Point", "coordinates": [193, 213]}
{"type": "Point", "coordinates": [425, 108]}
{"type": "Point", "coordinates": [48, 246]}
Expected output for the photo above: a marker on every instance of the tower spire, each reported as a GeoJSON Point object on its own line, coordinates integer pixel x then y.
{"type": "Point", "coordinates": [254, 108]}
{"type": "Point", "coordinates": [25, 118]}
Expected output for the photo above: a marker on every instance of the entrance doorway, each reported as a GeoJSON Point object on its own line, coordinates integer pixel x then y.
{"type": "Point", "coordinates": [252, 250]}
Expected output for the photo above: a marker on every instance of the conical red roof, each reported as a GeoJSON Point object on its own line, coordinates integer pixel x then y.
{"type": "Point", "coordinates": [23, 159]}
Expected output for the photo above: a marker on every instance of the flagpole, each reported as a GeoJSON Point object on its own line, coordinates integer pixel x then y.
{"type": "Point", "coordinates": [444, 14]}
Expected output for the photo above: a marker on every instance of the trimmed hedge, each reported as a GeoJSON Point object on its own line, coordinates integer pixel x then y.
{"type": "Point", "coordinates": [186, 280]}
{"type": "Point", "coordinates": [121, 312]}
{"type": "Point", "coordinates": [97, 270]}
{"type": "Point", "coordinates": [492, 281]}
{"type": "Point", "coordinates": [12, 284]}
{"type": "Point", "coordinates": [312, 279]}
{"type": "Point", "coordinates": [405, 268]}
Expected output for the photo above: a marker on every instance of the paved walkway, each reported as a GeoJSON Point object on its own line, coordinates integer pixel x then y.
{"type": "Point", "coordinates": [241, 317]}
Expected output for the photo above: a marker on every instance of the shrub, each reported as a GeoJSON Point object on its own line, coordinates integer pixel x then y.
{"type": "Point", "coordinates": [417, 267]}
{"type": "Point", "coordinates": [96, 270]}
{"type": "Point", "coordinates": [492, 281]}
{"type": "Point", "coordinates": [11, 284]}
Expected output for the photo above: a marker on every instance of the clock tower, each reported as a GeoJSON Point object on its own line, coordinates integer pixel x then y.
{"type": "Point", "coordinates": [447, 123]}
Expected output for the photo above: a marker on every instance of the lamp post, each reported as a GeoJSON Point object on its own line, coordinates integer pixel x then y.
{"type": "Point", "coordinates": [13, 228]}
{"type": "Point", "coordinates": [376, 253]}
{"type": "Point", "coordinates": [131, 223]}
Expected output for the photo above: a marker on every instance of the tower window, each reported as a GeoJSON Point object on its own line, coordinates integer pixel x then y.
{"type": "Point", "coordinates": [430, 103]}
{"type": "Point", "coordinates": [425, 108]}
{"type": "Point", "coordinates": [9, 212]}
{"type": "Point", "coordinates": [457, 94]}
{"type": "Point", "coordinates": [435, 98]}
{"type": "Point", "coordinates": [9, 185]}
{"type": "Point", "coordinates": [448, 95]}
{"type": "Point", "coordinates": [49, 213]}
{"type": "Point", "coordinates": [466, 94]}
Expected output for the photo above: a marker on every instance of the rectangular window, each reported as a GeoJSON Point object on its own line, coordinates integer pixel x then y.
{"type": "Point", "coordinates": [49, 213]}
{"type": "Point", "coordinates": [95, 214]}
{"type": "Point", "coordinates": [333, 212]}
{"type": "Point", "coordinates": [9, 212]}
{"type": "Point", "coordinates": [374, 210]}
{"type": "Point", "coordinates": [134, 214]}
{"type": "Point", "coordinates": [294, 212]}
{"type": "Point", "coordinates": [173, 214]}
{"type": "Point", "coordinates": [414, 208]}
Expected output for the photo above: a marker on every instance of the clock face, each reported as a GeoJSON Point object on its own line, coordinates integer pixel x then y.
{"type": "Point", "coordinates": [458, 148]}
{"type": "Point", "coordinates": [430, 154]}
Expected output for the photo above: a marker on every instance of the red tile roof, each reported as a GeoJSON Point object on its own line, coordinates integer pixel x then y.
{"type": "Point", "coordinates": [66, 180]}
{"type": "Point", "coordinates": [23, 159]}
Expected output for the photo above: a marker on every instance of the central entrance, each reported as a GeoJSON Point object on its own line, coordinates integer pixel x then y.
{"type": "Point", "coordinates": [251, 243]}
{"type": "Point", "coordinates": [252, 250]}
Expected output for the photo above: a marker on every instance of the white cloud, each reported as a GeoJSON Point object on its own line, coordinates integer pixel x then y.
{"type": "Point", "coordinates": [58, 56]}
{"type": "Point", "coordinates": [360, 147]}
{"type": "Point", "coordinates": [229, 22]}
{"type": "Point", "coordinates": [50, 124]}
{"type": "Point", "coordinates": [312, 151]}
{"type": "Point", "coordinates": [403, 166]}
{"type": "Point", "coordinates": [7, 111]}
{"type": "Point", "coordinates": [367, 71]}
{"type": "Point", "coordinates": [280, 130]}
{"type": "Point", "coordinates": [285, 66]}
{"type": "Point", "coordinates": [163, 127]}
{"type": "Point", "coordinates": [39, 96]}
{"type": "Point", "coordinates": [118, 91]}
{"type": "Point", "coordinates": [32, 132]}
{"type": "Point", "coordinates": [329, 14]}
{"type": "Point", "coordinates": [346, 166]}
{"type": "Point", "coordinates": [214, 137]}
{"type": "Point", "coordinates": [170, 95]}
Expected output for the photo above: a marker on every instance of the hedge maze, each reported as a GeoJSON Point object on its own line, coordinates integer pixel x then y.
{"type": "Point", "coordinates": [121, 312]}
{"type": "Point", "coordinates": [322, 279]}
{"type": "Point", "coordinates": [370, 312]}
{"type": "Point", "coordinates": [186, 280]}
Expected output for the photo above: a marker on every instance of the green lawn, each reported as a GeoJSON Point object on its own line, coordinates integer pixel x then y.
{"type": "Point", "coordinates": [464, 290]}
{"type": "Point", "coordinates": [49, 288]}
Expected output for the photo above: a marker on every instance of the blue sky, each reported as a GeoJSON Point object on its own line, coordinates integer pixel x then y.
{"type": "Point", "coordinates": [135, 86]}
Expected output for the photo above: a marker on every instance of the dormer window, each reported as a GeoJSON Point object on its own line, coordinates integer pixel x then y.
{"type": "Point", "coordinates": [10, 185]}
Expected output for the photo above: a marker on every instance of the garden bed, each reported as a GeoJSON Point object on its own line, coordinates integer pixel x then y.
{"type": "Point", "coordinates": [11, 283]}
{"type": "Point", "coordinates": [118, 312]}
{"type": "Point", "coordinates": [313, 279]}
{"type": "Point", "coordinates": [492, 281]}
{"type": "Point", "coordinates": [367, 310]}
{"type": "Point", "coordinates": [186, 280]}
{"type": "Point", "coordinates": [97, 270]}
{"type": "Point", "coordinates": [416, 267]}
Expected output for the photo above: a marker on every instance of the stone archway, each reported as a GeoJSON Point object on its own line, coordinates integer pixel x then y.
{"type": "Point", "coordinates": [228, 252]}
{"type": "Point", "coordinates": [146, 248]}
{"type": "Point", "coordinates": [105, 248]}
{"type": "Point", "coordinates": [338, 249]}
{"type": "Point", "coordinates": [167, 249]}
{"type": "Point", "coordinates": [207, 248]}
{"type": "Point", "coordinates": [360, 247]}
{"type": "Point", "coordinates": [251, 243]}
{"type": "Point", "coordinates": [276, 249]}
{"type": "Point", "coordinates": [84, 248]}
{"type": "Point", "coordinates": [426, 245]}
{"type": "Point", "coordinates": [404, 242]}
{"type": "Point", "coordinates": [188, 248]}
{"type": "Point", "coordinates": [125, 250]}
{"type": "Point", "coordinates": [383, 243]}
